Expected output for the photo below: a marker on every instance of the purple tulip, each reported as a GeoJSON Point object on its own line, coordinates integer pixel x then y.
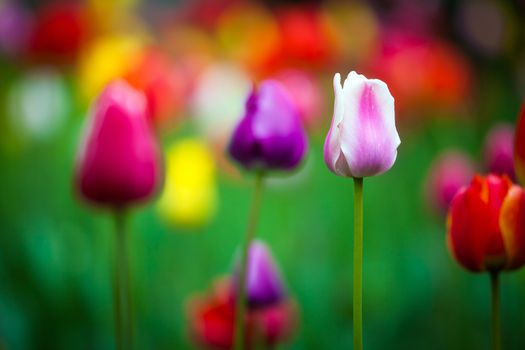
{"type": "Point", "coordinates": [499, 150]}
{"type": "Point", "coordinates": [363, 139]}
{"type": "Point", "coordinates": [263, 281]}
{"type": "Point", "coordinates": [270, 135]}
{"type": "Point", "coordinates": [118, 161]}
{"type": "Point", "coordinates": [449, 172]}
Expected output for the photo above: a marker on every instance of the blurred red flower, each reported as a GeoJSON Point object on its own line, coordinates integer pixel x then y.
{"type": "Point", "coordinates": [157, 76]}
{"type": "Point", "coordinates": [307, 36]}
{"type": "Point", "coordinates": [59, 31]}
{"type": "Point", "coordinates": [211, 319]}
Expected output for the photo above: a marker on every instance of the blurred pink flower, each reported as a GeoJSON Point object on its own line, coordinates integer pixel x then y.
{"type": "Point", "coordinates": [499, 150]}
{"type": "Point", "coordinates": [448, 173]}
{"type": "Point", "coordinates": [118, 161]}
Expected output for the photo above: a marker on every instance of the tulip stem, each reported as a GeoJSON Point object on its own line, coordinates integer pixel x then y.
{"type": "Point", "coordinates": [496, 321]}
{"type": "Point", "coordinates": [240, 307]}
{"type": "Point", "coordinates": [121, 281]}
{"type": "Point", "coordinates": [358, 263]}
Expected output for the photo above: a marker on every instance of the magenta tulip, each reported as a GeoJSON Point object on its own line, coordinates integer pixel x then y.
{"type": "Point", "coordinates": [118, 162]}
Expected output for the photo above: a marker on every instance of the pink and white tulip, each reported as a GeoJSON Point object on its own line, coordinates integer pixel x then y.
{"type": "Point", "coordinates": [363, 139]}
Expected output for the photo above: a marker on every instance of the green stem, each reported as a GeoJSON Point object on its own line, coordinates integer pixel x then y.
{"type": "Point", "coordinates": [240, 307]}
{"type": "Point", "coordinates": [496, 322]}
{"type": "Point", "coordinates": [121, 281]}
{"type": "Point", "coordinates": [358, 264]}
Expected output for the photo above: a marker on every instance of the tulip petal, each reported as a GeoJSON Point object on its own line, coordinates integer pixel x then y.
{"type": "Point", "coordinates": [512, 222]}
{"type": "Point", "coordinates": [475, 238]}
{"type": "Point", "coordinates": [333, 156]}
{"type": "Point", "coordinates": [465, 248]}
{"type": "Point", "coordinates": [369, 138]}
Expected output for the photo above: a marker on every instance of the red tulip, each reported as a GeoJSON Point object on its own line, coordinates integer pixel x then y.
{"type": "Point", "coordinates": [519, 147]}
{"type": "Point", "coordinates": [118, 162]}
{"type": "Point", "coordinates": [307, 36]}
{"type": "Point", "coordinates": [212, 316]}
{"type": "Point", "coordinates": [486, 225]}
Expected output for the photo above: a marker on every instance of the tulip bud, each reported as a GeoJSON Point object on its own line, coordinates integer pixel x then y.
{"type": "Point", "coordinates": [363, 139]}
{"type": "Point", "coordinates": [519, 147]}
{"type": "Point", "coordinates": [270, 135]}
{"type": "Point", "coordinates": [263, 280]}
{"type": "Point", "coordinates": [499, 150]}
{"type": "Point", "coordinates": [448, 173]}
{"type": "Point", "coordinates": [486, 225]}
{"type": "Point", "coordinates": [118, 160]}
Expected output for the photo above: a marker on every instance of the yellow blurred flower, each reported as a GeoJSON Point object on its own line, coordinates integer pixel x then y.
{"type": "Point", "coordinates": [105, 59]}
{"type": "Point", "coordinates": [189, 198]}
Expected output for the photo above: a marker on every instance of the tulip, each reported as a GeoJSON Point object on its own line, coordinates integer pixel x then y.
{"type": "Point", "coordinates": [270, 135]}
{"type": "Point", "coordinates": [486, 225]}
{"type": "Point", "coordinates": [211, 320]}
{"type": "Point", "coordinates": [118, 166]}
{"type": "Point", "coordinates": [263, 280]}
{"type": "Point", "coordinates": [189, 197]}
{"type": "Point", "coordinates": [271, 315]}
{"type": "Point", "coordinates": [499, 150]}
{"type": "Point", "coordinates": [448, 173]}
{"type": "Point", "coordinates": [362, 141]}
{"type": "Point", "coordinates": [519, 147]}
{"type": "Point", "coordinates": [486, 232]}
{"type": "Point", "coordinates": [118, 163]}
{"type": "Point", "coordinates": [308, 36]}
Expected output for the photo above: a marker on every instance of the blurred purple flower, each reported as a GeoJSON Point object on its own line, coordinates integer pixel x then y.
{"type": "Point", "coordinates": [264, 286]}
{"type": "Point", "coordinates": [499, 150]}
{"type": "Point", "coordinates": [270, 136]}
{"type": "Point", "coordinates": [15, 25]}
{"type": "Point", "coordinates": [118, 161]}
{"type": "Point", "coordinates": [448, 173]}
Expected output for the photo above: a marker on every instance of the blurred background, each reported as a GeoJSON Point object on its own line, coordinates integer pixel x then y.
{"type": "Point", "coordinates": [455, 68]}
